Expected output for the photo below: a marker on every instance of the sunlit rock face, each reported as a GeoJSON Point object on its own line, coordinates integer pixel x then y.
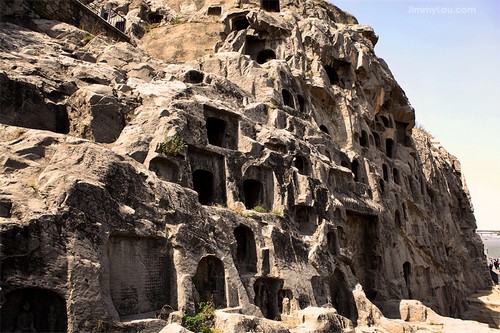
{"type": "Point", "coordinates": [255, 155]}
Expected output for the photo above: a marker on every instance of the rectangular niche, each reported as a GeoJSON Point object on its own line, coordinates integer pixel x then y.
{"type": "Point", "coordinates": [222, 127]}
{"type": "Point", "coordinates": [362, 238]}
{"type": "Point", "coordinates": [208, 176]}
{"type": "Point", "coordinates": [306, 219]}
{"type": "Point", "coordinates": [139, 270]}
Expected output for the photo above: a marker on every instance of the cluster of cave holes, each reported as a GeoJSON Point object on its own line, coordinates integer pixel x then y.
{"type": "Point", "coordinates": [33, 310]}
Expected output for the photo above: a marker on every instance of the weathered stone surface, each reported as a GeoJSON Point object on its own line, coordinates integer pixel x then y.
{"type": "Point", "coordinates": [273, 170]}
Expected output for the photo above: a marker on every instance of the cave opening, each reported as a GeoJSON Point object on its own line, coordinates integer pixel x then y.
{"type": "Point", "coordinates": [203, 183]}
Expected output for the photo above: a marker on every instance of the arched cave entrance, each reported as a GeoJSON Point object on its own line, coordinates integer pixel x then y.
{"type": "Point", "coordinates": [209, 281]}
{"type": "Point", "coordinates": [246, 252]}
{"type": "Point", "coordinates": [203, 183]}
{"type": "Point", "coordinates": [33, 310]}
{"type": "Point", "coordinates": [252, 191]}
{"type": "Point", "coordinates": [265, 56]}
{"type": "Point", "coordinates": [216, 131]}
{"type": "Point", "coordinates": [342, 297]}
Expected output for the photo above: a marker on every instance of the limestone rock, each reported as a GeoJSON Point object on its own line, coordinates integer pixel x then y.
{"type": "Point", "coordinates": [269, 165]}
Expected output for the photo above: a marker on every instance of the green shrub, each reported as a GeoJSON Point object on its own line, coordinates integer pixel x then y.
{"type": "Point", "coordinates": [259, 209]}
{"type": "Point", "coordinates": [203, 321]}
{"type": "Point", "coordinates": [172, 146]}
{"type": "Point", "coordinates": [87, 39]}
{"type": "Point", "coordinates": [177, 21]}
{"type": "Point", "coordinates": [276, 212]}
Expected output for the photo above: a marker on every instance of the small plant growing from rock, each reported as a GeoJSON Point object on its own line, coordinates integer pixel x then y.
{"type": "Point", "coordinates": [176, 21]}
{"type": "Point", "coordinates": [259, 209]}
{"type": "Point", "coordinates": [87, 39]}
{"type": "Point", "coordinates": [276, 212]}
{"type": "Point", "coordinates": [172, 146]}
{"type": "Point", "coordinates": [202, 321]}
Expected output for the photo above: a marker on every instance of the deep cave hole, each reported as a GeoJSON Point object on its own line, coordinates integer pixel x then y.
{"type": "Point", "coordinates": [300, 162]}
{"type": "Point", "coordinates": [210, 281]}
{"type": "Point", "coordinates": [389, 147]}
{"type": "Point", "coordinates": [265, 56]}
{"type": "Point", "coordinates": [216, 131]}
{"type": "Point", "coordinates": [332, 75]}
{"type": "Point", "coordinates": [287, 98]}
{"type": "Point", "coordinates": [252, 190]}
{"type": "Point", "coordinates": [246, 253]}
{"type": "Point", "coordinates": [203, 183]}
{"type": "Point", "coordinates": [271, 5]}
{"type": "Point", "coordinates": [239, 23]}
{"type": "Point", "coordinates": [324, 129]}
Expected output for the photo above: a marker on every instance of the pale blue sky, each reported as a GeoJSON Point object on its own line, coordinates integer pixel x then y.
{"type": "Point", "coordinates": [448, 65]}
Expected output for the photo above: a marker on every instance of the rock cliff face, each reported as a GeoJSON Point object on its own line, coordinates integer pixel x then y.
{"type": "Point", "coordinates": [269, 165]}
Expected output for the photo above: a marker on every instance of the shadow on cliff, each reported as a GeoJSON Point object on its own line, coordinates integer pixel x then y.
{"type": "Point", "coordinates": [484, 307]}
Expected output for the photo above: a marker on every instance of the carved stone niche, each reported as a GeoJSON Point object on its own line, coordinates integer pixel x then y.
{"type": "Point", "coordinates": [208, 176]}
{"type": "Point", "coordinates": [222, 127]}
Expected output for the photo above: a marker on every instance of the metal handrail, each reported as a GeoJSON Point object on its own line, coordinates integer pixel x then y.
{"type": "Point", "coordinates": [110, 15]}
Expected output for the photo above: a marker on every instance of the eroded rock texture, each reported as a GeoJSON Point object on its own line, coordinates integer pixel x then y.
{"type": "Point", "coordinates": [274, 167]}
